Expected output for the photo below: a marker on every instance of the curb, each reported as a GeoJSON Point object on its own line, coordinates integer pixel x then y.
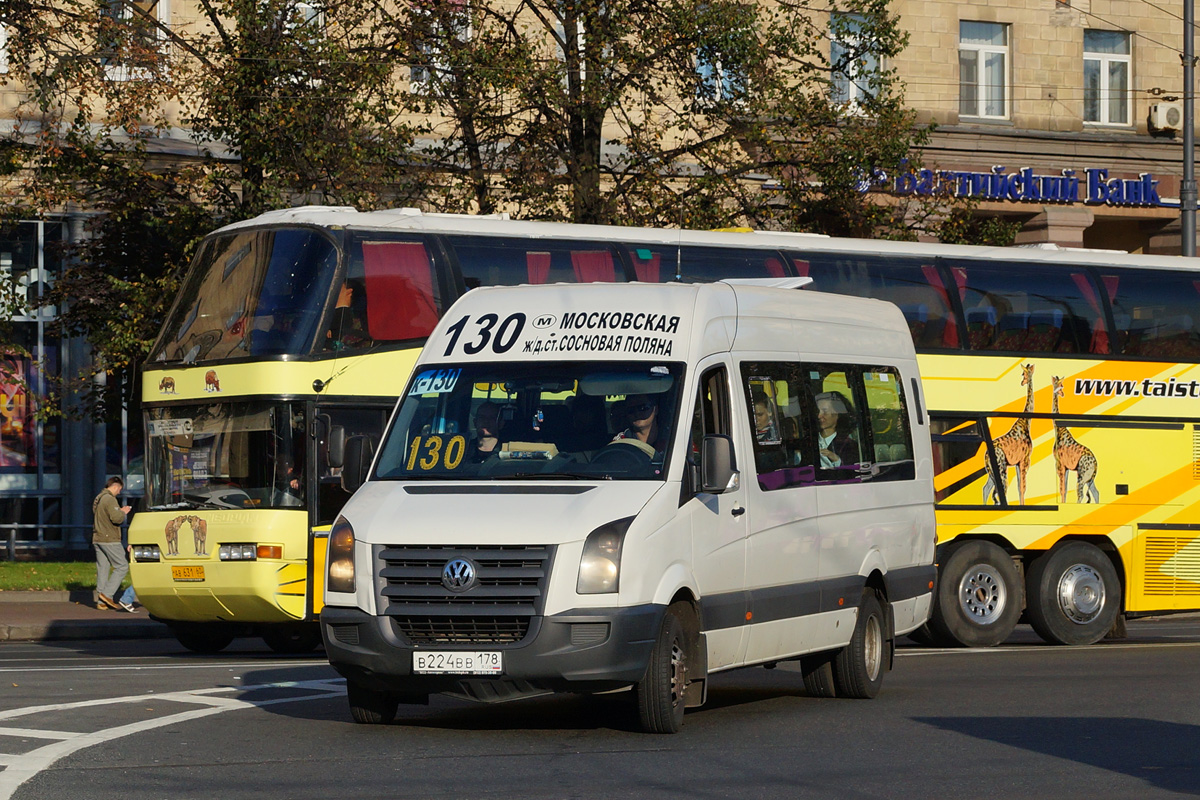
{"type": "Point", "coordinates": [73, 596]}
{"type": "Point", "coordinates": [64, 630]}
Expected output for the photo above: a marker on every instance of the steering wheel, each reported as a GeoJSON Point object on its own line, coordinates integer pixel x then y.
{"type": "Point", "coordinates": [635, 455]}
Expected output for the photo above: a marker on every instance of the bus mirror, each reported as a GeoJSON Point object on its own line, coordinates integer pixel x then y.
{"type": "Point", "coordinates": [336, 446]}
{"type": "Point", "coordinates": [717, 471]}
{"type": "Point", "coordinates": [359, 451]}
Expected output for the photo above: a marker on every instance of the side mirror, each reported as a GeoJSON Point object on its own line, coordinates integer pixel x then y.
{"type": "Point", "coordinates": [718, 470]}
{"type": "Point", "coordinates": [358, 453]}
{"type": "Point", "coordinates": [335, 446]}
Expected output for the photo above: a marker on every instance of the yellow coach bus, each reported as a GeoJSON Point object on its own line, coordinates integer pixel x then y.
{"type": "Point", "coordinates": [1061, 384]}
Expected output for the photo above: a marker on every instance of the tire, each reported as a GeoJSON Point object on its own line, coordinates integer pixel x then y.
{"type": "Point", "coordinates": [660, 694]}
{"type": "Point", "coordinates": [1074, 594]}
{"type": "Point", "coordinates": [859, 666]}
{"type": "Point", "coordinates": [979, 596]}
{"type": "Point", "coordinates": [200, 637]}
{"type": "Point", "coordinates": [369, 707]}
{"type": "Point", "coordinates": [301, 637]}
{"type": "Point", "coordinates": [818, 675]}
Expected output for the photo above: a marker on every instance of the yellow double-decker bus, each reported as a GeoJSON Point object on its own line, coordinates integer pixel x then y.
{"type": "Point", "coordinates": [1062, 386]}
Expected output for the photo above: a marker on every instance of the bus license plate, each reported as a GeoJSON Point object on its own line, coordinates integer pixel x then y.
{"type": "Point", "coordinates": [458, 662]}
{"type": "Point", "coordinates": [187, 573]}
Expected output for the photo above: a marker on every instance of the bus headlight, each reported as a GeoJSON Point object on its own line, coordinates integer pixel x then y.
{"type": "Point", "coordinates": [600, 564]}
{"type": "Point", "coordinates": [341, 557]}
{"type": "Point", "coordinates": [146, 552]}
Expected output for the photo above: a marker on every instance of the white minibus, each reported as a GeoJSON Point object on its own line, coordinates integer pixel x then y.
{"type": "Point", "coordinates": [598, 487]}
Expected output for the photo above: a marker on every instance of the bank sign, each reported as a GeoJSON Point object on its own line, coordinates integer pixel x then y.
{"type": "Point", "coordinates": [1093, 187]}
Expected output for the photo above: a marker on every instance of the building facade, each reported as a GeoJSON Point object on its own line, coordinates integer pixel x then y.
{"type": "Point", "coordinates": [1064, 116]}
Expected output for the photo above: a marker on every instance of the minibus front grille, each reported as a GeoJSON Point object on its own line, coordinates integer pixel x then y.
{"type": "Point", "coordinates": [507, 591]}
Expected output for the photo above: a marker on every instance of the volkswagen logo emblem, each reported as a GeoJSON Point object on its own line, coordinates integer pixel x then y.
{"type": "Point", "coordinates": [458, 575]}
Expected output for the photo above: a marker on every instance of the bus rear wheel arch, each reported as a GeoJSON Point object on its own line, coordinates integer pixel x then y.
{"type": "Point", "coordinates": [1074, 594]}
{"type": "Point", "coordinates": [980, 595]}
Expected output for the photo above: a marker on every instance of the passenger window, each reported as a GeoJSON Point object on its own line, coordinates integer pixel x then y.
{"type": "Point", "coordinates": [783, 456]}
{"type": "Point", "coordinates": [836, 421]}
{"type": "Point", "coordinates": [659, 264]}
{"type": "Point", "coordinates": [1155, 313]}
{"type": "Point", "coordinates": [959, 459]}
{"type": "Point", "coordinates": [500, 261]}
{"type": "Point", "coordinates": [890, 434]}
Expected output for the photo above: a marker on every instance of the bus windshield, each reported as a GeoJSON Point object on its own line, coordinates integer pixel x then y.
{"type": "Point", "coordinates": [561, 420]}
{"type": "Point", "coordinates": [225, 455]}
{"type": "Point", "coordinates": [251, 293]}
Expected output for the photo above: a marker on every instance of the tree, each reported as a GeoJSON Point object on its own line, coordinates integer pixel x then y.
{"type": "Point", "coordinates": [162, 132]}
{"type": "Point", "coordinates": [677, 112]}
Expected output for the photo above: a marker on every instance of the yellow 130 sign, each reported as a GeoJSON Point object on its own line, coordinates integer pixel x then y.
{"type": "Point", "coordinates": [426, 452]}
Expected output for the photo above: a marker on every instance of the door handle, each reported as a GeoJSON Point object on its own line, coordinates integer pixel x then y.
{"type": "Point", "coordinates": [737, 511]}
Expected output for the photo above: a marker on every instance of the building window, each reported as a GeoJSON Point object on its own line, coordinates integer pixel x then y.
{"type": "Point", "coordinates": [854, 67]}
{"type": "Point", "coordinates": [718, 81]}
{"type": "Point", "coordinates": [437, 27]}
{"type": "Point", "coordinates": [1106, 59]}
{"type": "Point", "coordinates": [3, 49]}
{"type": "Point", "coordinates": [131, 37]}
{"type": "Point", "coordinates": [983, 69]}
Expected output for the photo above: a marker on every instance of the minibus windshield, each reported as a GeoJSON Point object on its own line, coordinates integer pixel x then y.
{"type": "Point", "coordinates": [558, 420]}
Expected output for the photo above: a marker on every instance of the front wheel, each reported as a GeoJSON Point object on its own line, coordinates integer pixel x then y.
{"type": "Point", "coordinates": [203, 637]}
{"type": "Point", "coordinates": [660, 694]}
{"type": "Point", "coordinates": [370, 707]}
{"type": "Point", "coordinates": [859, 666]}
{"type": "Point", "coordinates": [1074, 594]}
{"type": "Point", "coordinates": [979, 596]}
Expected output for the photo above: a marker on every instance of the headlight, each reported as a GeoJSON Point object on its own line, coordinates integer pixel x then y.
{"type": "Point", "coordinates": [600, 565]}
{"type": "Point", "coordinates": [341, 557]}
{"type": "Point", "coordinates": [146, 552]}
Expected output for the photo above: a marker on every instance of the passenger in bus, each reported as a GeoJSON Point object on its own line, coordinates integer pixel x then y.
{"type": "Point", "coordinates": [641, 412]}
{"type": "Point", "coordinates": [766, 425]}
{"type": "Point", "coordinates": [487, 432]}
{"type": "Point", "coordinates": [837, 447]}
{"type": "Point", "coordinates": [288, 481]}
{"type": "Point", "coordinates": [348, 325]}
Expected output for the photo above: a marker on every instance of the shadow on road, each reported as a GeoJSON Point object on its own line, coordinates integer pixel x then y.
{"type": "Point", "coordinates": [1160, 753]}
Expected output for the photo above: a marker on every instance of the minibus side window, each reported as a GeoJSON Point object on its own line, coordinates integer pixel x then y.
{"type": "Point", "coordinates": [837, 421]}
{"type": "Point", "coordinates": [784, 452]}
{"type": "Point", "coordinates": [890, 435]}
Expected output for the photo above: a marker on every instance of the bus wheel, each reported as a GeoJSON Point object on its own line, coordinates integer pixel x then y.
{"type": "Point", "coordinates": [818, 675]}
{"type": "Point", "coordinates": [1074, 594]}
{"type": "Point", "coordinates": [203, 637]}
{"type": "Point", "coordinates": [660, 694]}
{"type": "Point", "coordinates": [300, 637]}
{"type": "Point", "coordinates": [369, 707]}
{"type": "Point", "coordinates": [859, 666]}
{"type": "Point", "coordinates": [979, 596]}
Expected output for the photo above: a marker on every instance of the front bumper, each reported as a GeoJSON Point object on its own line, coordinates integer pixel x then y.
{"type": "Point", "coordinates": [583, 650]}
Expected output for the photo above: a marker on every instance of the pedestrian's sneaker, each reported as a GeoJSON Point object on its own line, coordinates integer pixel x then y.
{"type": "Point", "coordinates": [127, 607]}
{"type": "Point", "coordinates": [104, 601]}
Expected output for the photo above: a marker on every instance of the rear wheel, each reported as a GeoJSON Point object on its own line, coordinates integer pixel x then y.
{"type": "Point", "coordinates": [660, 694]}
{"type": "Point", "coordinates": [979, 596]}
{"type": "Point", "coordinates": [300, 637]}
{"type": "Point", "coordinates": [859, 666]}
{"type": "Point", "coordinates": [370, 707]}
{"type": "Point", "coordinates": [1074, 594]}
{"type": "Point", "coordinates": [203, 637]}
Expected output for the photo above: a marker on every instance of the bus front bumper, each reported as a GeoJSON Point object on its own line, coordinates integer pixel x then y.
{"type": "Point", "coordinates": [583, 650]}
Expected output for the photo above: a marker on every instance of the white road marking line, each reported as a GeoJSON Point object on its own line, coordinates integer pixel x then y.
{"type": "Point", "coordinates": [147, 667]}
{"type": "Point", "coordinates": [106, 701]}
{"type": "Point", "coordinates": [36, 733]}
{"type": "Point", "coordinates": [20, 768]}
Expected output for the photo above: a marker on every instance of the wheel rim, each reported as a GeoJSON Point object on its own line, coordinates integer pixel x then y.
{"type": "Point", "coordinates": [873, 647]}
{"type": "Point", "coordinates": [982, 594]}
{"type": "Point", "coordinates": [678, 673]}
{"type": "Point", "coordinates": [1081, 594]}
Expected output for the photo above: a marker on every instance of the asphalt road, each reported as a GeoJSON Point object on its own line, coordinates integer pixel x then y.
{"type": "Point", "coordinates": [144, 719]}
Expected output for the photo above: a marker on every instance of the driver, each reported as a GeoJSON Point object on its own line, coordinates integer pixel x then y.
{"type": "Point", "coordinates": [641, 412]}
